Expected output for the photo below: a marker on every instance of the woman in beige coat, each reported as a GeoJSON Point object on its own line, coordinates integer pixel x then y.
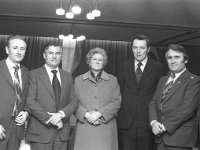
{"type": "Point", "coordinates": [99, 101]}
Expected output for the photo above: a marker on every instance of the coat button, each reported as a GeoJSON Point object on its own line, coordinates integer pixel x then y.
{"type": "Point", "coordinates": [95, 97]}
{"type": "Point", "coordinates": [163, 117]}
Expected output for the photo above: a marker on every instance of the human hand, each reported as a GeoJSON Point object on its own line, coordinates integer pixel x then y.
{"type": "Point", "coordinates": [59, 125]}
{"type": "Point", "coordinates": [2, 132]}
{"type": "Point", "coordinates": [54, 119]}
{"type": "Point", "coordinates": [93, 116]}
{"type": "Point", "coordinates": [21, 118]}
{"type": "Point", "coordinates": [157, 128]}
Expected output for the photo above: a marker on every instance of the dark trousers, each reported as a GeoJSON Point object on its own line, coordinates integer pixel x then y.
{"type": "Point", "coordinates": [163, 146]}
{"type": "Point", "coordinates": [11, 141]}
{"type": "Point", "coordinates": [136, 138]}
{"type": "Point", "coordinates": [54, 144]}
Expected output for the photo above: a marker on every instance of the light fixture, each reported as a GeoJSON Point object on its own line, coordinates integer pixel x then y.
{"type": "Point", "coordinates": [96, 12]}
{"type": "Point", "coordinates": [90, 16]}
{"type": "Point", "coordinates": [60, 11]}
{"type": "Point", "coordinates": [72, 32]}
{"type": "Point", "coordinates": [75, 9]}
{"type": "Point", "coordinates": [69, 15]}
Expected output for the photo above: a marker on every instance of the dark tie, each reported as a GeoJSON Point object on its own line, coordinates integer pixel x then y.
{"type": "Point", "coordinates": [167, 87]}
{"type": "Point", "coordinates": [18, 91]}
{"type": "Point", "coordinates": [138, 72]}
{"type": "Point", "coordinates": [56, 87]}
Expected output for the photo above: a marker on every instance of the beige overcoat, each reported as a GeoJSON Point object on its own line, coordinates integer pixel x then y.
{"type": "Point", "coordinates": [106, 98]}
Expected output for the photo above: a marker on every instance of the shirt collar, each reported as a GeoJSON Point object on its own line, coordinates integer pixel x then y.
{"type": "Point", "coordinates": [144, 62]}
{"type": "Point", "coordinates": [179, 73]}
{"type": "Point", "coordinates": [49, 69]}
{"type": "Point", "coordinates": [10, 64]}
{"type": "Point", "coordinates": [87, 75]}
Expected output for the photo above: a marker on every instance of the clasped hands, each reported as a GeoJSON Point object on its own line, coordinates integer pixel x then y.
{"type": "Point", "coordinates": [55, 120]}
{"type": "Point", "coordinates": [157, 128]}
{"type": "Point", "coordinates": [21, 118]}
{"type": "Point", "coordinates": [93, 117]}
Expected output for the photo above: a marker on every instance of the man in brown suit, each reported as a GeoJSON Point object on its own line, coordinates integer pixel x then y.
{"type": "Point", "coordinates": [13, 91]}
{"type": "Point", "coordinates": [51, 101]}
{"type": "Point", "coordinates": [173, 107]}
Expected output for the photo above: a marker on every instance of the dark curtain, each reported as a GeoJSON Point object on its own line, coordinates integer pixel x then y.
{"type": "Point", "coordinates": [194, 58]}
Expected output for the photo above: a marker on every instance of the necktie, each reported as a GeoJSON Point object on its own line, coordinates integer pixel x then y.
{"type": "Point", "coordinates": [56, 87]}
{"type": "Point", "coordinates": [138, 72]}
{"type": "Point", "coordinates": [167, 87]}
{"type": "Point", "coordinates": [18, 91]}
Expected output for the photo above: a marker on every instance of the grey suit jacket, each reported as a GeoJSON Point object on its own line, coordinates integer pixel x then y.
{"type": "Point", "coordinates": [8, 97]}
{"type": "Point", "coordinates": [177, 112]}
{"type": "Point", "coordinates": [41, 99]}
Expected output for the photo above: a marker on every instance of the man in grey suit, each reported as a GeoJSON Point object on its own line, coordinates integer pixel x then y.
{"type": "Point", "coordinates": [51, 101]}
{"type": "Point", "coordinates": [173, 107]}
{"type": "Point", "coordinates": [13, 91]}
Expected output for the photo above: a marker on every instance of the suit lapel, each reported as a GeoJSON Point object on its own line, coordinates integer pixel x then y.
{"type": "Point", "coordinates": [131, 72]}
{"type": "Point", "coordinates": [162, 85]}
{"type": "Point", "coordinates": [64, 83]}
{"type": "Point", "coordinates": [5, 72]}
{"type": "Point", "coordinates": [147, 70]}
{"type": "Point", "coordinates": [46, 80]}
{"type": "Point", "coordinates": [24, 76]}
{"type": "Point", "coordinates": [177, 84]}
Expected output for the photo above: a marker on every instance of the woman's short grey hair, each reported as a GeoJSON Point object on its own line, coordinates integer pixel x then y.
{"type": "Point", "coordinates": [97, 50]}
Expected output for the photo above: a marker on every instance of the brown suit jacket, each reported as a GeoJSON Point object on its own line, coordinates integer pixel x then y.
{"type": "Point", "coordinates": [8, 97]}
{"type": "Point", "coordinates": [177, 113]}
{"type": "Point", "coordinates": [41, 99]}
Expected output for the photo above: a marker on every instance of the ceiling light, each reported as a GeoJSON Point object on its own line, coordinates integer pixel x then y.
{"type": "Point", "coordinates": [96, 12]}
{"type": "Point", "coordinates": [61, 36]}
{"type": "Point", "coordinates": [90, 16]}
{"type": "Point", "coordinates": [81, 38]}
{"type": "Point", "coordinates": [69, 15]}
{"type": "Point", "coordinates": [76, 9]}
{"type": "Point", "coordinates": [60, 11]}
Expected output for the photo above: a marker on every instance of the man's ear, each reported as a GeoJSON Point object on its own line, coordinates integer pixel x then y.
{"type": "Point", "coordinates": [7, 51]}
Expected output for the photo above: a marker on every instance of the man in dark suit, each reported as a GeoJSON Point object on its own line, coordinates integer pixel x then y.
{"type": "Point", "coordinates": [51, 101]}
{"type": "Point", "coordinates": [13, 91]}
{"type": "Point", "coordinates": [173, 107]}
{"type": "Point", "coordinates": [138, 79]}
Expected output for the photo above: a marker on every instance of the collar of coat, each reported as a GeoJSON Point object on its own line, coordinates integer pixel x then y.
{"type": "Point", "coordinates": [87, 75]}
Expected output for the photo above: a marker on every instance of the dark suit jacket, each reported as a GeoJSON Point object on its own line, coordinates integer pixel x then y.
{"type": "Point", "coordinates": [135, 98]}
{"type": "Point", "coordinates": [177, 113]}
{"type": "Point", "coordinates": [8, 97]}
{"type": "Point", "coordinates": [41, 99]}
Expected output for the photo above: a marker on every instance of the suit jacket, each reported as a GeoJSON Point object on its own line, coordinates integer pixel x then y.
{"type": "Point", "coordinates": [197, 127]}
{"type": "Point", "coordinates": [41, 99]}
{"type": "Point", "coordinates": [135, 98]}
{"type": "Point", "coordinates": [8, 97]}
{"type": "Point", "coordinates": [177, 112]}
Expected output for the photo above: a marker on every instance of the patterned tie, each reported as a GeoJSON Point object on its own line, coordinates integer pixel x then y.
{"type": "Point", "coordinates": [138, 72]}
{"type": "Point", "coordinates": [168, 86]}
{"type": "Point", "coordinates": [56, 87]}
{"type": "Point", "coordinates": [18, 91]}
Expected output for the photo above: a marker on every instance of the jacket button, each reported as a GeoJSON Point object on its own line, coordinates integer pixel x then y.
{"type": "Point", "coordinates": [95, 97]}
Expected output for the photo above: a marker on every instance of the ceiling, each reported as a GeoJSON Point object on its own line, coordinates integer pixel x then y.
{"type": "Point", "coordinates": [164, 21]}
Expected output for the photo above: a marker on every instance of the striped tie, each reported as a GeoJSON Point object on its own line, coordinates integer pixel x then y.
{"type": "Point", "coordinates": [18, 91]}
{"type": "Point", "coordinates": [168, 86]}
